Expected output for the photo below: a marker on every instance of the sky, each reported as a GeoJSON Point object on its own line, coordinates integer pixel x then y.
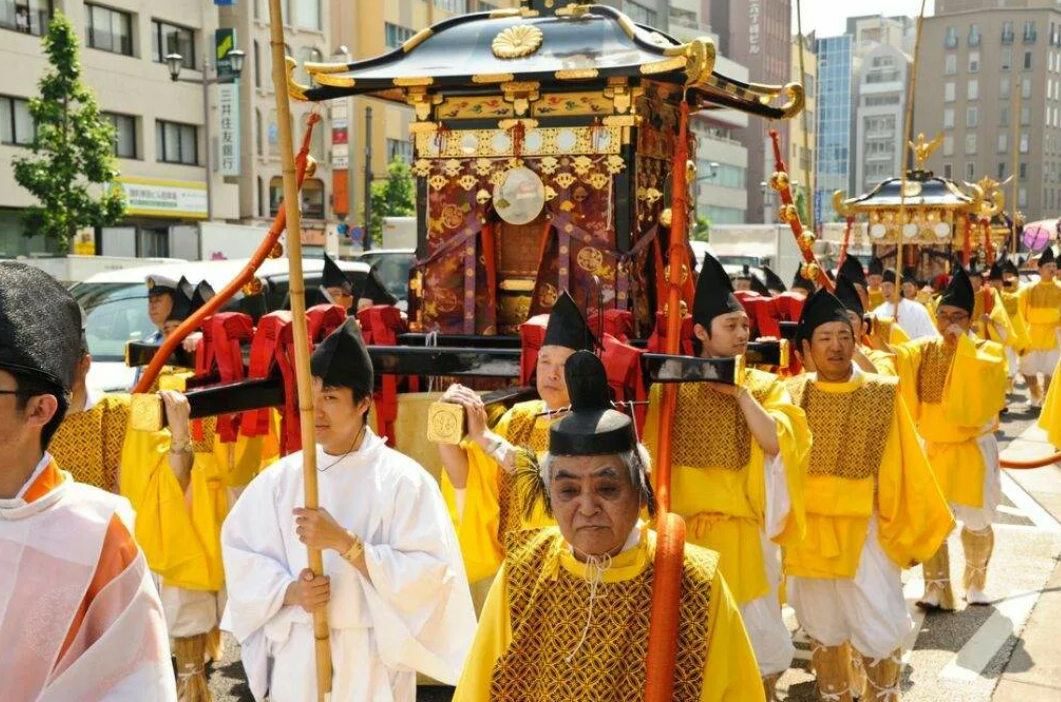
{"type": "Point", "coordinates": [822, 15]}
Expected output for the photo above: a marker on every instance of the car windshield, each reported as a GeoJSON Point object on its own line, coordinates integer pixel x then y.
{"type": "Point", "coordinates": [115, 314]}
{"type": "Point", "coordinates": [393, 270]}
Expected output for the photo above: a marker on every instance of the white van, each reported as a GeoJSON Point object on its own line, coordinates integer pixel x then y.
{"type": "Point", "coordinates": [115, 305]}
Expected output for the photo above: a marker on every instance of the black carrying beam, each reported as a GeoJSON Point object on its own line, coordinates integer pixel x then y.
{"type": "Point", "coordinates": [140, 353]}
{"type": "Point", "coordinates": [663, 368]}
{"type": "Point", "coordinates": [431, 360]}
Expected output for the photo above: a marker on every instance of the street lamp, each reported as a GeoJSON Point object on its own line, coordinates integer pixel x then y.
{"type": "Point", "coordinates": [174, 62]}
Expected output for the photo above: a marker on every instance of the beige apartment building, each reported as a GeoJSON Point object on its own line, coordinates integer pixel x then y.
{"type": "Point", "coordinates": [801, 159]}
{"type": "Point", "coordinates": [989, 81]}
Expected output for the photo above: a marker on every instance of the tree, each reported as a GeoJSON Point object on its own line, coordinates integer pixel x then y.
{"type": "Point", "coordinates": [800, 197]}
{"type": "Point", "coordinates": [701, 229]}
{"type": "Point", "coordinates": [393, 197]}
{"type": "Point", "coordinates": [72, 150]}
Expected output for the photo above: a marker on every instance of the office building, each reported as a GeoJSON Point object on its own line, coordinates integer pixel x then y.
{"type": "Point", "coordinates": [802, 132]}
{"type": "Point", "coordinates": [880, 115]}
{"type": "Point", "coordinates": [835, 98]}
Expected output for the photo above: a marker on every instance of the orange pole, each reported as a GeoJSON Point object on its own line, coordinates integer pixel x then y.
{"type": "Point", "coordinates": [846, 242]}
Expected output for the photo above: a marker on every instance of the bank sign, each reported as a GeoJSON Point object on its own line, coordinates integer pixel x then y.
{"type": "Point", "coordinates": [156, 197]}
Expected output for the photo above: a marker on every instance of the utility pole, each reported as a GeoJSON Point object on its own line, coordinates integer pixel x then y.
{"type": "Point", "coordinates": [366, 242]}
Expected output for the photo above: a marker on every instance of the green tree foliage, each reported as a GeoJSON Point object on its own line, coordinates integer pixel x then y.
{"type": "Point", "coordinates": [71, 163]}
{"type": "Point", "coordinates": [393, 197]}
{"type": "Point", "coordinates": [700, 229]}
{"type": "Point", "coordinates": [800, 197]}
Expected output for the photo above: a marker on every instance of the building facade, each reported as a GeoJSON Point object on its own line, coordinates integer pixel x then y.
{"type": "Point", "coordinates": [998, 102]}
{"type": "Point", "coordinates": [835, 98]}
{"type": "Point", "coordinates": [802, 131]}
{"type": "Point", "coordinates": [880, 116]}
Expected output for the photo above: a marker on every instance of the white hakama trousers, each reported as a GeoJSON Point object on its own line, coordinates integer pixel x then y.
{"type": "Point", "coordinates": [868, 610]}
{"type": "Point", "coordinates": [766, 628]}
{"type": "Point", "coordinates": [980, 518]}
{"type": "Point", "coordinates": [1012, 363]}
{"type": "Point", "coordinates": [1041, 361]}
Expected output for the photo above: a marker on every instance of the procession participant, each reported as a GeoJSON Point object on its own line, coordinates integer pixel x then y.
{"type": "Point", "coordinates": [1018, 340]}
{"type": "Point", "coordinates": [1050, 417]}
{"type": "Point", "coordinates": [909, 285]}
{"type": "Point", "coordinates": [739, 454]}
{"type": "Point", "coordinates": [774, 284]}
{"type": "Point", "coordinates": [955, 386]}
{"type": "Point", "coordinates": [80, 617]}
{"type": "Point", "coordinates": [353, 293]}
{"type": "Point", "coordinates": [161, 296]}
{"type": "Point", "coordinates": [994, 325]}
{"type": "Point", "coordinates": [801, 285]}
{"type": "Point", "coordinates": [89, 441]}
{"type": "Point", "coordinates": [852, 270]}
{"type": "Point", "coordinates": [393, 583]}
{"type": "Point", "coordinates": [1010, 276]}
{"type": "Point", "coordinates": [177, 487]}
{"type": "Point", "coordinates": [873, 508]}
{"type": "Point", "coordinates": [479, 472]}
{"type": "Point", "coordinates": [1040, 306]}
{"type": "Point", "coordinates": [565, 618]}
{"type": "Point", "coordinates": [336, 286]}
{"type": "Point", "coordinates": [875, 280]}
{"type": "Point", "coordinates": [908, 314]}
{"type": "Point", "coordinates": [868, 359]}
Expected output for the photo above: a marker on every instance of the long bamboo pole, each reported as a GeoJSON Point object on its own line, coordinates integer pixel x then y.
{"type": "Point", "coordinates": [1015, 98]}
{"type": "Point", "coordinates": [809, 174]}
{"type": "Point", "coordinates": [906, 156]}
{"type": "Point", "coordinates": [297, 287]}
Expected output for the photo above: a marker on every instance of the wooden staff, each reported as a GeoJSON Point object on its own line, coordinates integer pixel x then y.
{"type": "Point", "coordinates": [907, 145]}
{"type": "Point", "coordinates": [297, 288]}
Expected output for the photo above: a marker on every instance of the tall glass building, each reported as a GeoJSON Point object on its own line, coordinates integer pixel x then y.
{"type": "Point", "coordinates": [834, 122]}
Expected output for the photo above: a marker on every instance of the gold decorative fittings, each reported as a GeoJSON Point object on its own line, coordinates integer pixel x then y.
{"type": "Point", "coordinates": [685, 269]}
{"type": "Point", "coordinates": [277, 251]}
{"type": "Point", "coordinates": [840, 204]}
{"type": "Point", "coordinates": [788, 213]}
{"type": "Point", "coordinates": [807, 240]}
{"type": "Point", "coordinates": [923, 150]}
{"type": "Point", "coordinates": [574, 10]}
{"type": "Point", "coordinates": [145, 412]}
{"type": "Point", "coordinates": [295, 90]}
{"type": "Point", "coordinates": [254, 286]}
{"type": "Point", "coordinates": [417, 39]}
{"type": "Point", "coordinates": [520, 94]}
{"type": "Point", "coordinates": [665, 217]}
{"type": "Point", "coordinates": [810, 271]}
{"type": "Point", "coordinates": [311, 166]}
{"type": "Point", "coordinates": [486, 78]}
{"type": "Point", "coordinates": [517, 41]}
{"type": "Point", "coordinates": [779, 181]}
{"type": "Point", "coordinates": [445, 423]}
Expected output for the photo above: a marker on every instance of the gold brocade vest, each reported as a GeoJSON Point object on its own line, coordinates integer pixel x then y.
{"type": "Point", "coordinates": [89, 444]}
{"type": "Point", "coordinates": [1010, 302]}
{"type": "Point", "coordinates": [936, 360]}
{"type": "Point", "coordinates": [849, 428]}
{"type": "Point", "coordinates": [549, 613]}
{"type": "Point", "coordinates": [710, 431]}
{"type": "Point", "coordinates": [525, 430]}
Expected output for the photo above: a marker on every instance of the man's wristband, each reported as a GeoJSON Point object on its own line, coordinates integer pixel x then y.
{"type": "Point", "coordinates": [352, 554]}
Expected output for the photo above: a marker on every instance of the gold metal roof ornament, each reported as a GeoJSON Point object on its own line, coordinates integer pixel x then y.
{"type": "Point", "coordinates": [517, 41]}
{"type": "Point", "coordinates": [923, 150]}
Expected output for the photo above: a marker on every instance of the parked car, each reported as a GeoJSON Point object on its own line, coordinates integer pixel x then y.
{"type": "Point", "coordinates": [392, 266]}
{"type": "Point", "coordinates": [115, 305]}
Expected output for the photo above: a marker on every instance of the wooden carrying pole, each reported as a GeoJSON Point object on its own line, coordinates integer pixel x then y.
{"type": "Point", "coordinates": [297, 287]}
{"type": "Point", "coordinates": [906, 146]}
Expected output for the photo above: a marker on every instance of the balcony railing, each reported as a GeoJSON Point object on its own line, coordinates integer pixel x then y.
{"type": "Point", "coordinates": [1007, 37]}
{"type": "Point", "coordinates": [951, 42]}
{"type": "Point", "coordinates": [1030, 37]}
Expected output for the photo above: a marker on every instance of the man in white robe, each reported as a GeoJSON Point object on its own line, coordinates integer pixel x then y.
{"type": "Point", "coordinates": [79, 616]}
{"type": "Point", "coordinates": [911, 315]}
{"type": "Point", "coordinates": [394, 584]}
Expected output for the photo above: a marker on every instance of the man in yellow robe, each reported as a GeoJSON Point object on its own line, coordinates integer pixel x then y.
{"type": "Point", "coordinates": [567, 616]}
{"type": "Point", "coordinates": [1040, 306]}
{"type": "Point", "coordinates": [875, 277]}
{"type": "Point", "coordinates": [868, 359]}
{"type": "Point", "coordinates": [478, 477]}
{"type": "Point", "coordinates": [955, 386]}
{"type": "Point", "coordinates": [739, 454]}
{"type": "Point", "coordinates": [1007, 319]}
{"type": "Point", "coordinates": [873, 509]}
{"type": "Point", "coordinates": [1050, 417]}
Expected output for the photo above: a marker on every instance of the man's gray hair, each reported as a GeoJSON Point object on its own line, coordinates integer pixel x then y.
{"type": "Point", "coordinates": [637, 462]}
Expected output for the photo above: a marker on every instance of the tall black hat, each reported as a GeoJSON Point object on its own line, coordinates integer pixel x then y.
{"type": "Point", "coordinates": [183, 304]}
{"type": "Point", "coordinates": [910, 275]}
{"type": "Point", "coordinates": [1047, 256]}
{"type": "Point", "coordinates": [802, 283]}
{"type": "Point", "coordinates": [847, 295]}
{"type": "Point", "coordinates": [204, 292]}
{"type": "Point", "coordinates": [567, 326]}
{"type": "Point", "coordinates": [996, 270]}
{"type": "Point", "coordinates": [593, 427]}
{"type": "Point", "coordinates": [959, 292]}
{"type": "Point", "coordinates": [1010, 266]}
{"type": "Point", "coordinates": [852, 270]}
{"type": "Point", "coordinates": [714, 293]}
{"type": "Point", "coordinates": [974, 268]}
{"type": "Point", "coordinates": [370, 285]}
{"type": "Point", "coordinates": [333, 276]}
{"type": "Point", "coordinates": [889, 276]}
{"type": "Point", "coordinates": [342, 359]}
{"type": "Point", "coordinates": [876, 266]}
{"type": "Point", "coordinates": [820, 308]}
{"type": "Point", "coordinates": [773, 280]}
{"type": "Point", "coordinates": [745, 273]}
{"type": "Point", "coordinates": [40, 326]}
{"type": "Point", "coordinates": [758, 286]}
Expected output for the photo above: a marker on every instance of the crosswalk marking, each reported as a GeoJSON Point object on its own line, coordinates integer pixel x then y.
{"type": "Point", "coordinates": [1027, 505]}
{"type": "Point", "coordinates": [1008, 619]}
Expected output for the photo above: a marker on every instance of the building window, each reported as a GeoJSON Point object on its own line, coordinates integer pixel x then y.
{"type": "Point", "coordinates": [639, 13]}
{"type": "Point", "coordinates": [974, 35]}
{"type": "Point", "coordinates": [1003, 88]}
{"type": "Point", "coordinates": [1030, 34]}
{"type": "Point", "coordinates": [951, 40]}
{"type": "Point", "coordinates": [258, 148]}
{"type": "Point", "coordinates": [1026, 88]}
{"type": "Point", "coordinates": [1027, 60]}
{"type": "Point", "coordinates": [1003, 142]}
{"type": "Point", "coordinates": [947, 170]}
{"type": "Point", "coordinates": [16, 124]}
{"type": "Point", "coordinates": [972, 117]}
{"type": "Point", "coordinates": [880, 100]}
{"type": "Point", "coordinates": [948, 118]}
{"type": "Point", "coordinates": [307, 54]}
{"type": "Point", "coordinates": [312, 198]}
{"type": "Point", "coordinates": [970, 171]}
{"type": "Point", "coordinates": [257, 65]}
{"type": "Point", "coordinates": [109, 30]}
{"type": "Point", "coordinates": [401, 149]}
{"type": "Point", "coordinates": [972, 89]}
{"type": "Point", "coordinates": [1001, 170]}
{"type": "Point", "coordinates": [948, 92]}
{"type": "Point", "coordinates": [1006, 62]}
{"type": "Point", "coordinates": [26, 16]}
{"type": "Point", "coordinates": [273, 135]}
{"type": "Point", "coordinates": [308, 13]}
{"type": "Point", "coordinates": [124, 134]}
{"type": "Point", "coordinates": [396, 35]}
{"type": "Point", "coordinates": [950, 64]}
{"type": "Point", "coordinates": [948, 145]}
{"type": "Point", "coordinates": [1022, 197]}
{"type": "Point", "coordinates": [970, 143]}
{"type": "Point", "coordinates": [170, 39]}
{"type": "Point", "coordinates": [1003, 115]}
{"type": "Point", "coordinates": [1024, 142]}
{"type": "Point", "coordinates": [176, 143]}
{"type": "Point", "coordinates": [457, 7]}
{"type": "Point", "coordinates": [1025, 116]}
{"type": "Point", "coordinates": [276, 194]}
{"type": "Point", "coordinates": [974, 62]}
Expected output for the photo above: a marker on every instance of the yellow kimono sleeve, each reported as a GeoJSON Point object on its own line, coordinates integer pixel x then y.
{"type": "Point", "coordinates": [478, 525]}
{"type": "Point", "coordinates": [907, 362]}
{"type": "Point", "coordinates": [1050, 417]}
{"type": "Point", "coordinates": [169, 532]}
{"type": "Point", "coordinates": [492, 638]}
{"type": "Point", "coordinates": [794, 440]}
{"type": "Point", "coordinates": [730, 672]}
{"type": "Point", "coordinates": [976, 387]}
{"type": "Point", "coordinates": [914, 518]}
{"type": "Point", "coordinates": [883, 361]}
